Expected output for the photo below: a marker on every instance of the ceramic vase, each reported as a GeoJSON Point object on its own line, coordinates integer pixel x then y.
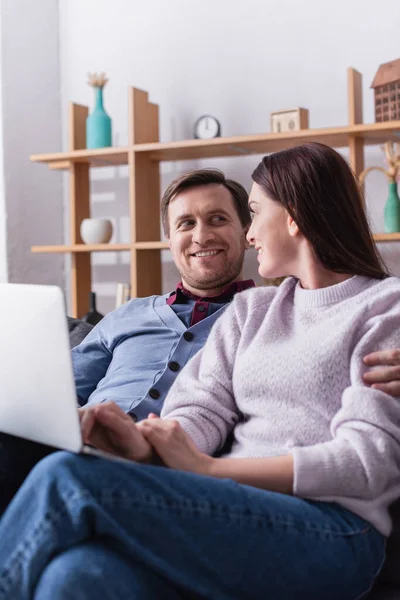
{"type": "Point", "coordinates": [392, 210]}
{"type": "Point", "coordinates": [98, 123]}
{"type": "Point", "coordinates": [96, 231]}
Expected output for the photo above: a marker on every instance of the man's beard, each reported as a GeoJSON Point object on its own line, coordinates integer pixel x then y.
{"type": "Point", "coordinates": [224, 276]}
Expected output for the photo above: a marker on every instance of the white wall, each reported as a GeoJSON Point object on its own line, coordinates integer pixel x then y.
{"type": "Point", "coordinates": [31, 197]}
{"type": "Point", "coordinates": [236, 60]}
{"type": "Point", "coordinates": [3, 217]}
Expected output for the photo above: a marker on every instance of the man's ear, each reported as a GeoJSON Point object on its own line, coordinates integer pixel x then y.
{"type": "Point", "coordinates": [292, 226]}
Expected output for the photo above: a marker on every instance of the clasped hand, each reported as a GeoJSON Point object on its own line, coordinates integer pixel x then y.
{"type": "Point", "coordinates": [154, 440]}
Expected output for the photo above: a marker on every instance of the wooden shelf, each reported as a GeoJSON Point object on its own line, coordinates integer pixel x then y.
{"type": "Point", "coordinates": [73, 248]}
{"type": "Point", "coordinates": [151, 245]}
{"type": "Point", "coordinates": [387, 237]}
{"type": "Point", "coordinates": [378, 237]}
{"type": "Point", "coordinates": [370, 134]}
{"type": "Point", "coordinates": [143, 155]}
{"type": "Point", "coordinates": [81, 248]}
{"type": "Point", "coordinates": [99, 157]}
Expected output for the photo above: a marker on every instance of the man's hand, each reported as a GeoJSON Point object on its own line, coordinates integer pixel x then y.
{"type": "Point", "coordinates": [387, 378]}
{"type": "Point", "coordinates": [107, 427]}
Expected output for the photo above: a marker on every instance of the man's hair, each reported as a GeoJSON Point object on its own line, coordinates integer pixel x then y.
{"type": "Point", "coordinates": [200, 178]}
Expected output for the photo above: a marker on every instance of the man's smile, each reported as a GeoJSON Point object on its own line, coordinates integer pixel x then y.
{"type": "Point", "coordinates": [206, 253]}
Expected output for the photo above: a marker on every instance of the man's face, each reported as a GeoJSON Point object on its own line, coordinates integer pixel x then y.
{"type": "Point", "coordinates": [207, 239]}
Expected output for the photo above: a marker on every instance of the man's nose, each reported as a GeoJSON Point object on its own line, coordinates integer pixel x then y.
{"type": "Point", "coordinates": [203, 235]}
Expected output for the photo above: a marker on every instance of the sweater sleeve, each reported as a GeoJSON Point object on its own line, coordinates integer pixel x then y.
{"type": "Point", "coordinates": [361, 463]}
{"type": "Point", "coordinates": [201, 398]}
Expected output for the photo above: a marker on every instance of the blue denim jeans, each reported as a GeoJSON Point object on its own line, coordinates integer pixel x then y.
{"type": "Point", "coordinates": [88, 528]}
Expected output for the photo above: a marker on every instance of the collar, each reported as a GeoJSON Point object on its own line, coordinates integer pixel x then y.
{"type": "Point", "coordinates": [181, 295]}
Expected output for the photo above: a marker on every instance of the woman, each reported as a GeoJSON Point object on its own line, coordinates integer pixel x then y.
{"type": "Point", "coordinates": [297, 507]}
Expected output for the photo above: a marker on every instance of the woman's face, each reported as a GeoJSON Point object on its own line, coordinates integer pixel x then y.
{"type": "Point", "coordinates": [273, 233]}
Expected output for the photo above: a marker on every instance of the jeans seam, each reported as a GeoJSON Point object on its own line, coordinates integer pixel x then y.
{"type": "Point", "coordinates": [215, 511]}
{"type": "Point", "coordinates": [369, 588]}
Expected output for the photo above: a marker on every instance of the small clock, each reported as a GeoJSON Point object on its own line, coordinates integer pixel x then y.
{"type": "Point", "coordinates": [207, 127]}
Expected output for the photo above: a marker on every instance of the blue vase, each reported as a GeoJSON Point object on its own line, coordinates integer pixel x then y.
{"type": "Point", "coordinates": [392, 210]}
{"type": "Point", "coordinates": [98, 124]}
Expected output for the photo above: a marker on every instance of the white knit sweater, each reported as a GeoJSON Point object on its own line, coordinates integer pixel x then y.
{"type": "Point", "coordinates": [283, 369]}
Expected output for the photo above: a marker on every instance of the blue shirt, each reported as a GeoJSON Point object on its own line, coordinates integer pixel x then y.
{"type": "Point", "coordinates": [135, 353]}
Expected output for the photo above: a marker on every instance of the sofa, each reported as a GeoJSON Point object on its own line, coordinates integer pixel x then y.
{"type": "Point", "coordinates": [387, 586]}
{"type": "Point", "coordinates": [78, 330]}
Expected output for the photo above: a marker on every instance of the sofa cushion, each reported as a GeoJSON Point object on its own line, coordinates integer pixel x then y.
{"type": "Point", "coordinates": [78, 330]}
{"type": "Point", "coordinates": [383, 592]}
{"type": "Point", "coordinates": [390, 574]}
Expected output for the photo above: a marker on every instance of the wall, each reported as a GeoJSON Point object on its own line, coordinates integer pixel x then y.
{"type": "Point", "coordinates": [3, 238]}
{"type": "Point", "coordinates": [32, 197]}
{"type": "Point", "coordinates": [236, 60]}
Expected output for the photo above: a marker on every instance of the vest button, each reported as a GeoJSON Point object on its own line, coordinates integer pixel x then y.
{"type": "Point", "coordinates": [155, 394]}
{"type": "Point", "coordinates": [188, 335]}
{"type": "Point", "coordinates": [174, 366]}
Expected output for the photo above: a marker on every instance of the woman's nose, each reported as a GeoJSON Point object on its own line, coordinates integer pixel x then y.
{"type": "Point", "coordinates": [250, 236]}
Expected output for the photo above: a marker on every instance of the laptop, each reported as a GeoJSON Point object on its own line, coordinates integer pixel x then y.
{"type": "Point", "coordinates": [38, 398]}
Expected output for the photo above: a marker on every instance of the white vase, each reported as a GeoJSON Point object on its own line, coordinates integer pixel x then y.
{"type": "Point", "coordinates": [96, 231]}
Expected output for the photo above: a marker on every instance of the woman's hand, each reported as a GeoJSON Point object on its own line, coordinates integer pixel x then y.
{"type": "Point", "coordinates": [174, 446]}
{"type": "Point", "coordinates": [107, 427]}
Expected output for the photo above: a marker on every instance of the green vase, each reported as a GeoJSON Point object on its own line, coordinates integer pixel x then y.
{"type": "Point", "coordinates": [98, 124]}
{"type": "Point", "coordinates": [392, 210]}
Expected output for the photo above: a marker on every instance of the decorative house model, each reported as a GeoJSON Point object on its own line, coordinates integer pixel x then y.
{"type": "Point", "coordinates": [386, 84]}
{"type": "Point", "coordinates": [289, 120]}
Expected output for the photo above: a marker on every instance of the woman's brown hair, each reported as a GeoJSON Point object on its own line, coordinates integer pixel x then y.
{"type": "Point", "coordinates": [318, 189]}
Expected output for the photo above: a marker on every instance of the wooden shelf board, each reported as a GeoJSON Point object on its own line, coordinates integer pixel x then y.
{"type": "Point", "coordinates": [81, 248]}
{"type": "Point", "coordinates": [99, 157]}
{"type": "Point", "coordinates": [387, 237]}
{"type": "Point", "coordinates": [151, 245]}
{"type": "Point", "coordinates": [378, 237]}
{"type": "Point", "coordinates": [65, 249]}
{"type": "Point", "coordinates": [374, 133]}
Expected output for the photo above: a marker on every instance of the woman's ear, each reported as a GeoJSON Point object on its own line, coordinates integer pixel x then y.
{"type": "Point", "coordinates": [292, 226]}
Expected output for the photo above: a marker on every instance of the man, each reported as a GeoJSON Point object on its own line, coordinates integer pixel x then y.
{"type": "Point", "coordinates": [135, 353]}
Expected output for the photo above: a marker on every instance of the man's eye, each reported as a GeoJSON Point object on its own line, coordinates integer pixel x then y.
{"type": "Point", "coordinates": [186, 224]}
{"type": "Point", "coordinates": [218, 219]}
